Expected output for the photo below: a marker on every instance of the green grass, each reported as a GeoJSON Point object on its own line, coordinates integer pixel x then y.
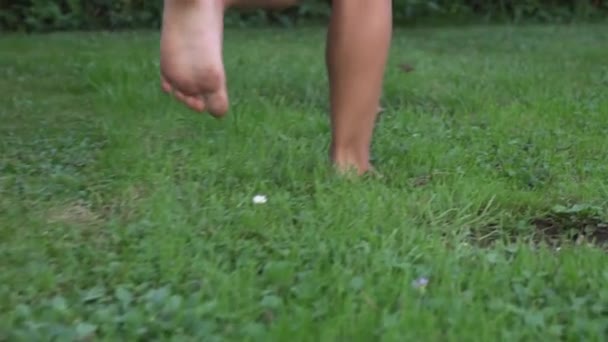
{"type": "Point", "coordinates": [127, 217]}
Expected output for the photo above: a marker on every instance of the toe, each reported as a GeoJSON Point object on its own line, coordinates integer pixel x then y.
{"type": "Point", "coordinates": [192, 102]}
{"type": "Point", "coordinates": [217, 103]}
{"type": "Point", "coordinates": [165, 85]}
{"type": "Point", "coordinates": [179, 95]}
{"type": "Point", "coordinates": [195, 103]}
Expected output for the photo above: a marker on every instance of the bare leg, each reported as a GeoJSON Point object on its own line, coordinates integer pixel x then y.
{"type": "Point", "coordinates": [357, 49]}
{"type": "Point", "coordinates": [191, 50]}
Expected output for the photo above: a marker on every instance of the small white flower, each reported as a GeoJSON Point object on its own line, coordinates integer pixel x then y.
{"type": "Point", "coordinates": [420, 283]}
{"type": "Point", "coordinates": [259, 199]}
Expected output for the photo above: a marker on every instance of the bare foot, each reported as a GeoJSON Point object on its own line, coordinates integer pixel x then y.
{"type": "Point", "coordinates": [191, 54]}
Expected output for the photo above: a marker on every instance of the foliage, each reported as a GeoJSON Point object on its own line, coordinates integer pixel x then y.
{"type": "Point", "coordinates": [43, 15]}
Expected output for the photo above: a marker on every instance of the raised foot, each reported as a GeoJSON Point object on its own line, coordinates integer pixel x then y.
{"type": "Point", "coordinates": [191, 54]}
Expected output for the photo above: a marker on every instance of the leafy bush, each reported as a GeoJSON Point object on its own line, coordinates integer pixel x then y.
{"type": "Point", "coordinates": [45, 15]}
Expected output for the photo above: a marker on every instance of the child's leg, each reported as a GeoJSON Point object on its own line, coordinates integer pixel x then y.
{"type": "Point", "coordinates": [191, 50]}
{"type": "Point", "coordinates": [357, 49]}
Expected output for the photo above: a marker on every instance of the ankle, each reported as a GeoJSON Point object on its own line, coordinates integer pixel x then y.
{"type": "Point", "coordinates": [350, 158]}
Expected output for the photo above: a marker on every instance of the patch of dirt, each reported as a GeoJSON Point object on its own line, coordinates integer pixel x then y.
{"type": "Point", "coordinates": [125, 205]}
{"type": "Point", "coordinates": [576, 225]}
{"type": "Point", "coordinates": [557, 229]}
{"type": "Point", "coordinates": [77, 213]}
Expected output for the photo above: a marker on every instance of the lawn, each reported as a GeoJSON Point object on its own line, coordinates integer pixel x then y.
{"type": "Point", "coordinates": [124, 216]}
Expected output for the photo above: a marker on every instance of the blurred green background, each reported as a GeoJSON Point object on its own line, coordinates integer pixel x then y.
{"type": "Point", "coordinates": [50, 15]}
